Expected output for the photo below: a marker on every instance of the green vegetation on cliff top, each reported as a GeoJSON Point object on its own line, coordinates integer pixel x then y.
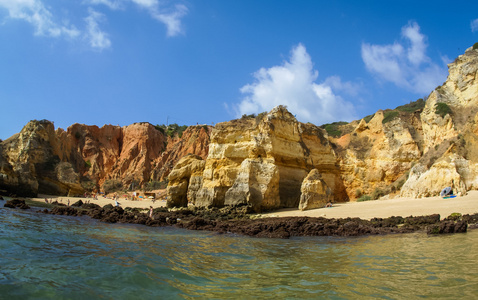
{"type": "Point", "coordinates": [172, 129]}
{"type": "Point", "coordinates": [337, 129]}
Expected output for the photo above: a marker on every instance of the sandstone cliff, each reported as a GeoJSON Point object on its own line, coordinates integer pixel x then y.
{"type": "Point", "coordinates": [413, 150]}
{"type": "Point", "coordinates": [449, 133]}
{"type": "Point", "coordinates": [42, 160]}
{"type": "Point", "coordinates": [261, 162]}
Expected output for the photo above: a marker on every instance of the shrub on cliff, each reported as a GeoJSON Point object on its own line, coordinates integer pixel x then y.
{"type": "Point", "coordinates": [364, 198]}
{"type": "Point", "coordinates": [389, 116]}
{"type": "Point", "coordinates": [377, 193]}
{"type": "Point", "coordinates": [172, 129]}
{"type": "Point", "coordinates": [442, 109]}
{"type": "Point", "coordinates": [88, 184]}
{"type": "Point", "coordinates": [412, 106]}
{"type": "Point", "coordinates": [112, 186]}
{"type": "Point", "coordinates": [333, 129]}
{"type": "Point", "coordinates": [155, 185]}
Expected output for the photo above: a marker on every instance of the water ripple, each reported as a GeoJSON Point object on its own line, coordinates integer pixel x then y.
{"type": "Point", "coordinates": [77, 258]}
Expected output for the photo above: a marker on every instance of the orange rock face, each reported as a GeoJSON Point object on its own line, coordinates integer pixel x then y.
{"type": "Point", "coordinates": [195, 140]}
{"type": "Point", "coordinates": [62, 162]}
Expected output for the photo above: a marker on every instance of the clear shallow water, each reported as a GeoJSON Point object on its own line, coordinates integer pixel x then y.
{"type": "Point", "coordinates": [45, 257]}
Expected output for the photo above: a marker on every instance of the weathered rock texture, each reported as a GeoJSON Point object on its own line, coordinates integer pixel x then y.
{"type": "Point", "coordinates": [42, 160]}
{"type": "Point", "coordinates": [261, 162]}
{"type": "Point", "coordinates": [314, 191]}
{"type": "Point", "coordinates": [185, 180]}
{"type": "Point", "coordinates": [413, 150]}
{"type": "Point", "coordinates": [450, 155]}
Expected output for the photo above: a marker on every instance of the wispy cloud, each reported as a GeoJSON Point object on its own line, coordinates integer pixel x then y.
{"type": "Point", "coordinates": [294, 84]}
{"type": "Point", "coordinates": [42, 18]}
{"type": "Point", "coordinates": [170, 16]}
{"type": "Point", "coordinates": [172, 19]}
{"type": "Point", "coordinates": [112, 4]}
{"type": "Point", "coordinates": [35, 13]}
{"type": "Point", "coordinates": [406, 66]}
{"type": "Point", "coordinates": [97, 38]}
{"type": "Point", "coordinates": [474, 25]}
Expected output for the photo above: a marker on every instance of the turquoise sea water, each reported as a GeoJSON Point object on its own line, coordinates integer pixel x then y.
{"type": "Point", "coordinates": [59, 257]}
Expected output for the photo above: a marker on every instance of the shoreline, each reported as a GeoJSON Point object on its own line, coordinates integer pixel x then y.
{"type": "Point", "coordinates": [281, 224]}
{"type": "Point", "coordinates": [102, 201]}
{"type": "Point", "coordinates": [367, 210]}
{"type": "Point", "coordinates": [399, 207]}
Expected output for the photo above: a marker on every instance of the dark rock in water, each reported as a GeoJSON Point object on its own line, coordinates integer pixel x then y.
{"type": "Point", "coordinates": [90, 206]}
{"type": "Point", "coordinates": [448, 226]}
{"type": "Point", "coordinates": [66, 211]}
{"type": "Point", "coordinates": [238, 221]}
{"type": "Point", "coordinates": [58, 203]}
{"type": "Point", "coordinates": [422, 220]}
{"type": "Point", "coordinates": [1, 198]}
{"type": "Point", "coordinates": [78, 203]}
{"type": "Point", "coordinates": [14, 203]}
{"type": "Point", "coordinates": [471, 219]}
{"type": "Point", "coordinates": [108, 207]}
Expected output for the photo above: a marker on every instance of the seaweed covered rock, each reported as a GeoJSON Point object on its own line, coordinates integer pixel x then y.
{"type": "Point", "coordinates": [448, 226]}
{"type": "Point", "coordinates": [14, 203]}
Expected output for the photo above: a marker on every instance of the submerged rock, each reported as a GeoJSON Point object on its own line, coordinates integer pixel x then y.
{"type": "Point", "coordinates": [14, 203]}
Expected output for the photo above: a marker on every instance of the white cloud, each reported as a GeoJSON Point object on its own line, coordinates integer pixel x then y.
{"type": "Point", "coordinates": [112, 4]}
{"type": "Point", "coordinates": [474, 25]}
{"type": "Point", "coordinates": [40, 17]}
{"type": "Point", "coordinates": [172, 19]}
{"type": "Point", "coordinates": [170, 16]}
{"type": "Point", "coordinates": [294, 84]}
{"type": "Point", "coordinates": [44, 22]}
{"type": "Point", "coordinates": [406, 66]}
{"type": "Point", "coordinates": [149, 4]}
{"type": "Point", "coordinates": [96, 37]}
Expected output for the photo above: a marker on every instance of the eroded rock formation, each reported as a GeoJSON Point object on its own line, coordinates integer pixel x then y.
{"type": "Point", "coordinates": [261, 162]}
{"type": "Point", "coordinates": [314, 191]}
{"type": "Point", "coordinates": [42, 160]}
{"type": "Point", "coordinates": [413, 150]}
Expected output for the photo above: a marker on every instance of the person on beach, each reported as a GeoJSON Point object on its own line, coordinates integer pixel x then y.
{"type": "Point", "coordinates": [117, 203]}
{"type": "Point", "coordinates": [150, 212]}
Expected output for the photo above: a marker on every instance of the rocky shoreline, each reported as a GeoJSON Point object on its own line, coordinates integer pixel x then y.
{"type": "Point", "coordinates": [239, 220]}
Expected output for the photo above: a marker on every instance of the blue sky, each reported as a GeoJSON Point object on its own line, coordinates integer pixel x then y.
{"type": "Point", "coordinates": [123, 61]}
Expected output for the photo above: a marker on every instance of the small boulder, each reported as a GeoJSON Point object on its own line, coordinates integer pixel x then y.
{"type": "Point", "coordinates": [448, 226]}
{"type": "Point", "coordinates": [14, 203]}
{"type": "Point", "coordinates": [78, 203]}
{"type": "Point", "coordinates": [314, 192]}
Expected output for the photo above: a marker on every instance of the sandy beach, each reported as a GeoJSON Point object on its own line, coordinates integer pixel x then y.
{"type": "Point", "coordinates": [102, 201]}
{"type": "Point", "coordinates": [404, 207]}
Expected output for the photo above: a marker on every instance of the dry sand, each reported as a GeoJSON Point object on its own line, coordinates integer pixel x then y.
{"type": "Point", "coordinates": [404, 207]}
{"type": "Point", "coordinates": [102, 201]}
